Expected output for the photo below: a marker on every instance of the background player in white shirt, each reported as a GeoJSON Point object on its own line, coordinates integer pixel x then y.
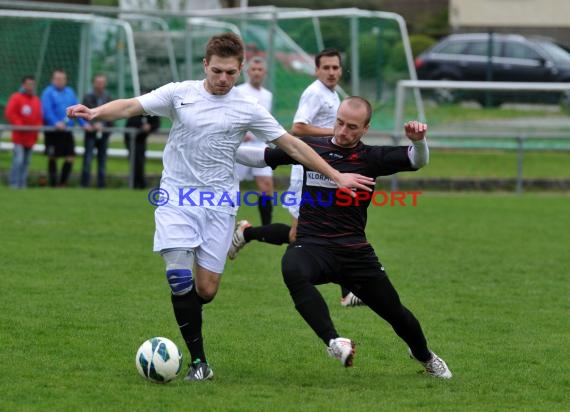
{"type": "Point", "coordinates": [316, 115]}
{"type": "Point", "coordinates": [209, 120]}
{"type": "Point", "coordinates": [256, 70]}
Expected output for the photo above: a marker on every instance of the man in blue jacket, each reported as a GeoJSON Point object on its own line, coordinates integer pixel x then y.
{"type": "Point", "coordinates": [59, 142]}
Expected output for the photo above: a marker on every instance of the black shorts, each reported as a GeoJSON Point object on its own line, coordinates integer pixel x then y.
{"type": "Point", "coordinates": [59, 143]}
{"type": "Point", "coordinates": [336, 264]}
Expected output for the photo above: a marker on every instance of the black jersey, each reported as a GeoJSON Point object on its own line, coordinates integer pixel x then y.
{"type": "Point", "coordinates": [328, 215]}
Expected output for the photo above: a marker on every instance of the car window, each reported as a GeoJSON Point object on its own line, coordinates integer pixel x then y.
{"type": "Point", "coordinates": [519, 51]}
{"type": "Point", "coordinates": [557, 53]}
{"type": "Point", "coordinates": [453, 47]}
{"type": "Point", "coordinates": [480, 48]}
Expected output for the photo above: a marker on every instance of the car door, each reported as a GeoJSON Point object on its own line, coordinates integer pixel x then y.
{"type": "Point", "coordinates": [477, 65]}
{"type": "Point", "coordinates": [520, 62]}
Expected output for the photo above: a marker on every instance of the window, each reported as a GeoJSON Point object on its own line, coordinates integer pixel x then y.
{"type": "Point", "coordinates": [453, 47]}
{"type": "Point", "coordinates": [557, 53]}
{"type": "Point", "coordinates": [520, 51]}
{"type": "Point", "coordinates": [481, 48]}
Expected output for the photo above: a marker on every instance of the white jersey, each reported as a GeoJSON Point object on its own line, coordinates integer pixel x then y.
{"type": "Point", "coordinates": [263, 96]}
{"type": "Point", "coordinates": [318, 106]}
{"type": "Point", "coordinates": [206, 131]}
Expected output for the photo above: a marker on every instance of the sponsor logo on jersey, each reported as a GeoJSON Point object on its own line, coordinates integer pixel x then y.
{"type": "Point", "coordinates": [319, 180]}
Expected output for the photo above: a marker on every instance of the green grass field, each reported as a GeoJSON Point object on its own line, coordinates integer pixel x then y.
{"type": "Point", "coordinates": [487, 275]}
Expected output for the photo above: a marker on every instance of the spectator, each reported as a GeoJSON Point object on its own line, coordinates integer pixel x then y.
{"type": "Point", "coordinates": [24, 108]}
{"type": "Point", "coordinates": [59, 142]}
{"type": "Point", "coordinates": [98, 137]}
{"type": "Point", "coordinates": [145, 125]}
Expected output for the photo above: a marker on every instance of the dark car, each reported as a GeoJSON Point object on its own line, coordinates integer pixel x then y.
{"type": "Point", "coordinates": [513, 58]}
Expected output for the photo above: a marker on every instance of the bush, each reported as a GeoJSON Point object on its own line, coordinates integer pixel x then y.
{"type": "Point", "coordinates": [418, 43]}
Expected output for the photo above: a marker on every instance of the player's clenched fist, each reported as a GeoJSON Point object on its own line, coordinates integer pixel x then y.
{"type": "Point", "coordinates": [415, 130]}
{"type": "Point", "coordinates": [79, 111]}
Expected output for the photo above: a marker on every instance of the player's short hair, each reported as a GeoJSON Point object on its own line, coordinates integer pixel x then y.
{"type": "Point", "coordinates": [225, 45]}
{"type": "Point", "coordinates": [327, 53]}
{"type": "Point", "coordinates": [258, 60]}
{"type": "Point", "coordinates": [28, 77]}
{"type": "Point", "coordinates": [98, 75]}
{"type": "Point", "coordinates": [356, 102]}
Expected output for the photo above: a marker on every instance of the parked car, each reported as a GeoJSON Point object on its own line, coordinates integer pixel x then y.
{"type": "Point", "coordinates": [514, 58]}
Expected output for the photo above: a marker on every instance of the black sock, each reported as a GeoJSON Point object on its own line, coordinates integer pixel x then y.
{"type": "Point", "coordinates": [65, 172]}
{"type": "Point", "coordinates": [188, 313]}
{"type": "Point", "coordinates": [380, 296]}
{"type": "Point", "coordinates": [265, 209]}
{"type": "Point", "coordinates": [275, 233]}
{"type": "Point", "coordinates": [52, 172]}
{"type": "Point", "coordinates": [313, 308]}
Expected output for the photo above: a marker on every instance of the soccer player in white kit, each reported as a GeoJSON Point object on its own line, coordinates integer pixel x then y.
{"type": "Point", "coordinates": [209, 120]}
{"type": "Point", "coordinates": [256, 69]}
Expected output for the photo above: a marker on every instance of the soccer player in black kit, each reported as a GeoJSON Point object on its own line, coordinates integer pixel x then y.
{"type": "Point", "coordinates": [331, 244]}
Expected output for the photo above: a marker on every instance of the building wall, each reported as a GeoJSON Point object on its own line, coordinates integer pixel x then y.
{"type": "Point", "coordinates": [514, 13]}
{"type": "Point", "coordinates": [549, 18]}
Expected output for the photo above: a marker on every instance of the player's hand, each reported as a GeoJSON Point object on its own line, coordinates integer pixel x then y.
{"type": "Point", "coordinates": [292, 234]}
{"type": "Point", "coordinates": [355, 181]}
{"type": "Point", "coordinates": [79, 111]}
{"type": "Point", "coordinates": [415, 130]}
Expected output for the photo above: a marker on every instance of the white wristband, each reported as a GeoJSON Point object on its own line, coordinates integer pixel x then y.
{"type": "Point", "coordinates": [419, 153]}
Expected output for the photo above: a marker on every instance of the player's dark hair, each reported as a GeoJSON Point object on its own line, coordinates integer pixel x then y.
{"type": "Point", "coordinates": [357, 101]}
{"type": "Point", "coordinates": [258, 60]}
{"type": "Point", "coordinates": [28, 77]}
{"type": "Point", "coordinates": [327, 53]}
{"type": "Point", "coordinates": [225, 45]}
{"type": "Point", "coordinates": [98, 75]}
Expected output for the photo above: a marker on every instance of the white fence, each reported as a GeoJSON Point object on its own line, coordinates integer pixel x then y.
{"type": "Point", "coordinates": [417, 85]}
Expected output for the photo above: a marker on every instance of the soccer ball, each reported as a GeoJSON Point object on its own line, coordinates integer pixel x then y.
{"type": "Point", "coordinates": [158, 360]}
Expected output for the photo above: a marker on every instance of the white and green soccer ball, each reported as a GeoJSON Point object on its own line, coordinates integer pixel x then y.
{"type": "Point", "coordinates": [158, 360]}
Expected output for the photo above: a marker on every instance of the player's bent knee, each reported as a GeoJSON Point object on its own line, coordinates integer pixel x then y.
{"type": "Point", "coordinates": [180, 281]}
{"type": "Point", "coordinates": [178, 272]}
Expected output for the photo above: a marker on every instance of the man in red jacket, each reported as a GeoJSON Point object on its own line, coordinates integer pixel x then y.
{"type": "Point", "coordinates": [24, 108]}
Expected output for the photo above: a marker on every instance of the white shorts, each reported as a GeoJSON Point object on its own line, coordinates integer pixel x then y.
{"type": "Point", "coordinates": [295, 186]}
{"type": "Point", "coordinates": [205, 230]}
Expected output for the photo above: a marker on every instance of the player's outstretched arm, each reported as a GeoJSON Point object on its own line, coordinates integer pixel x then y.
{"type": "Point", "coordinates": [303, 129]}
{"type": "Point", "coordinates": [305, 155]}
{"type": "Point", "coordinates": [114, 110]}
